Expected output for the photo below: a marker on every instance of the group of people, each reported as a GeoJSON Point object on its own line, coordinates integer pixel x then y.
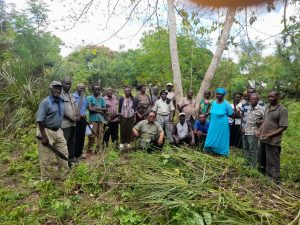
{"type": "Point", "coordinates": [146, 122]}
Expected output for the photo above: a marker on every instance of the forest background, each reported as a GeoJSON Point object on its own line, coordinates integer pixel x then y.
{"type": "Point", "coordinates": [30, 59]}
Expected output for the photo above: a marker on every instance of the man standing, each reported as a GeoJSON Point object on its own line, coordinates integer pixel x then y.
{"type": "Point", "coordinates": [183, 132]}
{"type": "Point", "coordinates": [97, 108]}
{"type": "Point", "coordinates": [49, 118]}
{"type": "Point", "coordinates": [245, 106]}
{"type": "Point", "coordinates": [112, 115]}
{"type": "Point", "coordinates": [171, 94]}
{"type": "Point", "coordinates": [275, 122]}
{"type": "Point", "coordinates": [70, 117]}
{"type": "Point", "coordinates": [188, 107]}
{"type": "Point", "coordinates": [155, 94]}
{"type": "Point", "coordinates": [201, 128]}
{"type": "Point", "coordinates": [254, 119]}
{"type": "Point", "coordinates": [165, 113]}
{"type": "Point", "coordinates": [81, 123]}
{"type": "Point", "coordinates": [150, 133]}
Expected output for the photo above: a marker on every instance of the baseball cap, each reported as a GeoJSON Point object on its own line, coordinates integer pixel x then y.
{"type": "Point", "coordinates": [55, 83]}
{"type": "Point", "coordinates": [163, 91]}
{"type": "Point", "coordinates": [169, 84]}
{"type": "Point", "coordinates": [182, 114]}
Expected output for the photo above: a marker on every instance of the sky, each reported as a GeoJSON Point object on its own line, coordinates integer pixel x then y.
{"type": "Point", "coordinates": [94, 28]}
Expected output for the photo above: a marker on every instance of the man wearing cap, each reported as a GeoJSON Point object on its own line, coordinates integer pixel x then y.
{"type": "Point", "coordinates": [49, 118]}
{"type": "Point", "coordinates": [187, 105]}
{"type": "Point", "coordinates": [171, 94]}
{"type": "Point", "coordinates": [70, 117]}
{"type": "Point", "coordinates": [183, 132]}
{"type": "Point", "coordinates": [81, 123]}
{"type": "Point", "coordinates": [150, 133]}
{"type": "Point", "coordinates": [165, 112]}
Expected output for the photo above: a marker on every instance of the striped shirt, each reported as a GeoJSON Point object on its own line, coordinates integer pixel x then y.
{"type": "Point", "coordinates": [254, 115]}
{"type": "Point", "coordinates": [111, 107]}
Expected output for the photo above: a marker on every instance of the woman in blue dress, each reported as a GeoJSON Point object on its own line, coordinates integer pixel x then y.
{"type": "Point", "coordinates": [217, 140]}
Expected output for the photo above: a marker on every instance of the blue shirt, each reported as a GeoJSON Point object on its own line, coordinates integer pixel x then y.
{"type": "Point", "coordinates": [96, 102]}
{"type": "Point", "coordinates": [51, 112]}
{"type": "Point", "coordinates": [201, 127]}
{"type": "Point", "coordinates": [84, 103]}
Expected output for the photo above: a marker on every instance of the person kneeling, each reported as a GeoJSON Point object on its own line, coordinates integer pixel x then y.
{"type": "Point", "coordinates": [200, 130]}
{"type": "Point", "coordinates": [183, 132]}
{"type": "Point", "coordinates": [150, 133]}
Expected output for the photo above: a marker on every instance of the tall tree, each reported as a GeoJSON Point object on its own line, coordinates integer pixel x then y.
{"type": "Point", "coordinates": [173, 50]}
{"type": "Point", "coordinates": [218, 54]}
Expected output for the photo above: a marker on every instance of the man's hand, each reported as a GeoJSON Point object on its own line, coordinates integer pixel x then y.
{"type": "Point", "coordinates": [257, 133]}
{"type": "Point", "coordinates": [192, 142]}
{"type": "Point", "coordinates": [160, 141]}
{"type": "Point", "coordinates": [199, 133]}
{"type": "Point", "coordinates": [45, 140]}
{"type": "Point", "coordinates": [77, 118]}
{"type": "Point", "coordinates": [265, 136]}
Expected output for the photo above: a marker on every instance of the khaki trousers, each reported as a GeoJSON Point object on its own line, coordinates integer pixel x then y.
{"type": "Point", "coordinates": [98, 130]}
{"type": "Point", "coordinates": [51, 165]}
{"type": "Point", "coordinates": [167, 125]}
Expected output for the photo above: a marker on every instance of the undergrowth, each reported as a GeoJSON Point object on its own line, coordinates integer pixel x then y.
{"type": "Point", "coordinates": [176, 186]}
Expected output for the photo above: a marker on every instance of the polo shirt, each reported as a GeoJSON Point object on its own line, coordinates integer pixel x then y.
{"type": "Point", "coordinates": [96, 102]}
{"type": "Point", "coordinates": [163, 108]}
{"type": "Point", "coordinates": [203, 127]}
{"type": "Point", "coordinates": [51, 112]}
{"type": "Point", "coordinates": [148, 130]}
{"type": "Point", "coordinates": [274, 119]}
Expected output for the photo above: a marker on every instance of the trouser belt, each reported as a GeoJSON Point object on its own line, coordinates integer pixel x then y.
{"type": "Point", "coordinates": [51, 128]}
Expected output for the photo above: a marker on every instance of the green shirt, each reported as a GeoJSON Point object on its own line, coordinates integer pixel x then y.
{"type": "Point", "coordinates": [148, 130]}
{"type": "Point", "coordinates": [96, 102]}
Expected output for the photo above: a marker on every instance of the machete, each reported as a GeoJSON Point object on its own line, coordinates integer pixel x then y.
{"type": "Point", "coordinates": [58, 153]}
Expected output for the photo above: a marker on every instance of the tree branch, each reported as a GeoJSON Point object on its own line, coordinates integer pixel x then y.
{"type": "Point", "coordinates": [84, 11]}
{"type": "Point", "coordinates": [124, 24]}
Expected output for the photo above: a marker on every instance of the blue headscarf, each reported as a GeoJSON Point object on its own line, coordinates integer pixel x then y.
{"type": "Point", "coordinates": [221, 91]}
